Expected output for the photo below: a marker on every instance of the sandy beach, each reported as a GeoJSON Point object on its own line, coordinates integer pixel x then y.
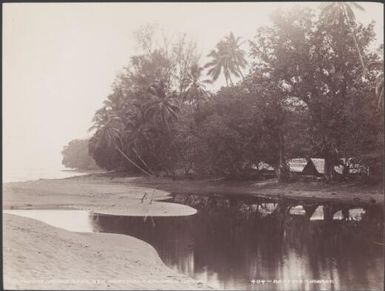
{"type": "Point", "coordinates": [39, 256]}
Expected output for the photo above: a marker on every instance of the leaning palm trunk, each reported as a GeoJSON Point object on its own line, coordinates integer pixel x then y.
{"type": "Point", "coordinates": [359, 52]}
{"type": "Point", "coordinates": [350, 24]}
{"type": "Point", "coordinates": [140, 158]}
{"type": "Point", "coordinates": [131, 161]}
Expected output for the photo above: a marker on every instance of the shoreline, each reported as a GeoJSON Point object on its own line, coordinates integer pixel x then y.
{"type": "Point", "coordinates": [112, 192]}
{"type": "Point", "coordinates": [38, 256]}
{"type": "Point", "coordinates": [31, 261]}
{"type": "Point", "coordinates": [26, 247]}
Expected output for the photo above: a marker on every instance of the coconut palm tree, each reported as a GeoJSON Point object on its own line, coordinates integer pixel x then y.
{"type": "Point", "coordinates": [237, 54]}
{"type": "Point", "coordinates": [228, 58]}
{"type": "Point", "coordinates": [110, 131]}
{"type": "Point", "coordinates": [216, 65]}
{"type": "Point", "coordinates": [139, 133]}
{"type": "Point", "coordinates": [196, 88]}
{"type": "Point", "coordinates": [342, 12]}
{"type": "Point", "coordinates": [162, 105]}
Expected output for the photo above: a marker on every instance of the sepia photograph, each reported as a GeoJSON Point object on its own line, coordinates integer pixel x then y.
{"type": "Point", "coordinates": [193, 146]}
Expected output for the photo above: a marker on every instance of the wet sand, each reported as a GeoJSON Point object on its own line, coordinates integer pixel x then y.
{"type": "Point", "coordinates": [111, 192]}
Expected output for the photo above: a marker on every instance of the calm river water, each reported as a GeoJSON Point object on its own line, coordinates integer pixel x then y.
{"type": "Point", "coordinates": [233, 244]}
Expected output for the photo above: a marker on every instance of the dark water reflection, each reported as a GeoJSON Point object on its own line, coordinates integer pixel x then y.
{"type": "Point", "coordinates": [233, 244]}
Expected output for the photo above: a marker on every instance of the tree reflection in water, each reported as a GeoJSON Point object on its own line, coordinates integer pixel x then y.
{"type": "Point", "coordinates": [233, 242]}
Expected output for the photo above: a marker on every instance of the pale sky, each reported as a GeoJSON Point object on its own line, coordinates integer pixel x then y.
{"type": "Point", "coordinates": [60, 59]}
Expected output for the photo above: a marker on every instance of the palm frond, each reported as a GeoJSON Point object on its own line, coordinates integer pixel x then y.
{"type": "Point", "coordinates": [215, 72]}
{"type": "Point", "coordinates": [357, 6]}
{"type": "Point", "coordinates": [350, 14]}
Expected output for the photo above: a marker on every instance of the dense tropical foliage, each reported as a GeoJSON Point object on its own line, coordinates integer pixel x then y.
{"type": "Point", "coordinates": [76, 156]}
{"type": "Point", "coordinates": [311, 88]}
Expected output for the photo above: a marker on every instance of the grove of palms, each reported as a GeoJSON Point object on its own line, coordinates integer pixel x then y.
{"type": "Point", "coordinates": [310, 88]}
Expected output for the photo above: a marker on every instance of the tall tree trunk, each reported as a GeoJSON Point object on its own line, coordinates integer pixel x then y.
{"type": "Point", "coordinates": [282, 172]}
{"type": "Point", "coordinates": [132, 162]}
{"type": "Point", "coordinates": [142, 160]}
{"type": "Point", "coordinates": [351, 24]}
{"type": "Point", "coordinates": [359, 53]}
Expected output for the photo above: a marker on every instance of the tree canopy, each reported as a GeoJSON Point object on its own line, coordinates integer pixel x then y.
{"type": "Point", "coordinates": [76, 155]}
{"type": "Point", "coordinates": [308, 91]}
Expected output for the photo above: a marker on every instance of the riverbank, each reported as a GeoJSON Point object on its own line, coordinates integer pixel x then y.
{"type": "Point", "coordinates": [36, 251]}
{"type": "Point", "coordinates": [114, 192]}
{"type": "Point", "coordinates": [41, 257]}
